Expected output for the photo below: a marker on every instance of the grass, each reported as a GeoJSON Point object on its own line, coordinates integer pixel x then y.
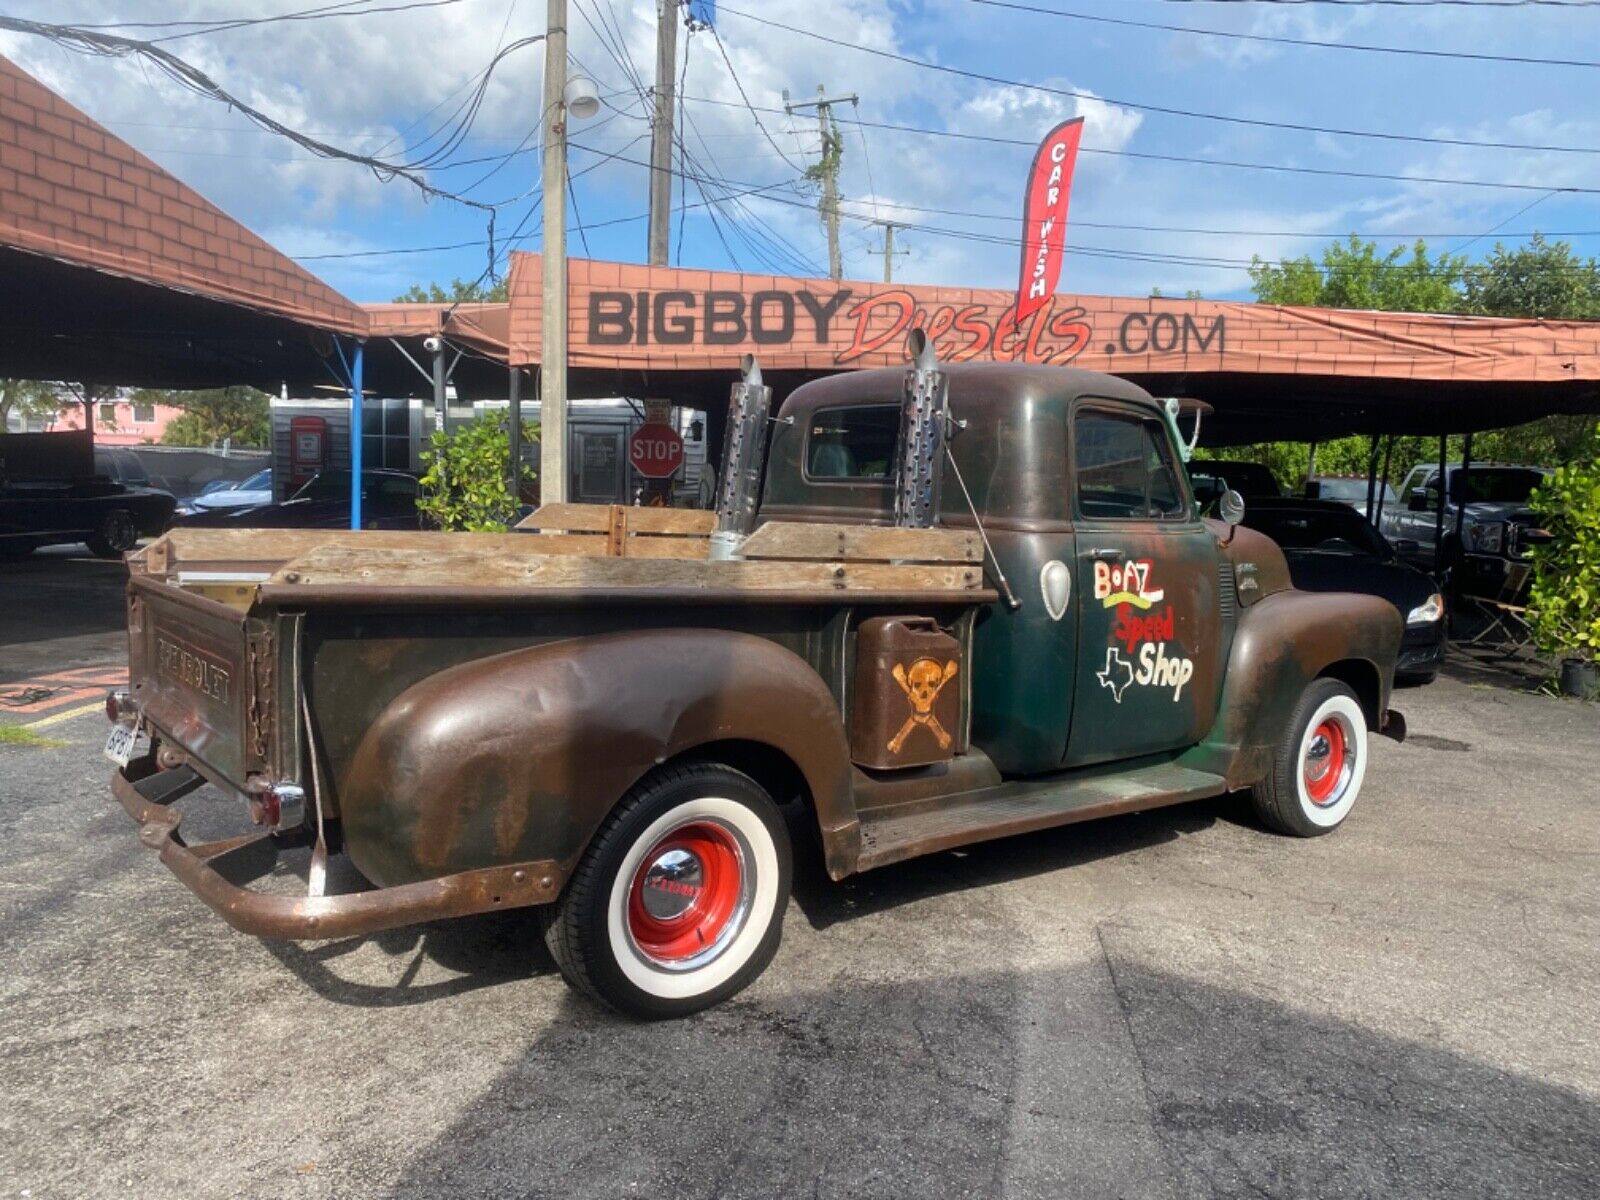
{"type": "Point", "coordinates": [21, 735]}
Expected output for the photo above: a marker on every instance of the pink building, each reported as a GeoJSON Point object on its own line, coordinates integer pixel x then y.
{"type": "Point", "coordinates": [120, 422]}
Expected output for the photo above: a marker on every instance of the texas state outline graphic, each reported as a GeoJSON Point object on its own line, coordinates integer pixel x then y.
{"type": "Point", "coordinates": [1115, 664]}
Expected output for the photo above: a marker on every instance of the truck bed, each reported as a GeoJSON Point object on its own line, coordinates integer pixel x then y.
{"type": "Point", "coordinates": [586, 552]}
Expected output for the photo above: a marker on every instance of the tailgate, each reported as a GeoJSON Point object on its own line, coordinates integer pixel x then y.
{"type": "Point", "coordinates": [195, 664]}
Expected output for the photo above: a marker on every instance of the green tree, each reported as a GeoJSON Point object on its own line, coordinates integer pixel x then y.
{"type": "Point", "coordinates": [241, 415]}
{"type": "Point", "coordinates": [1354, 275]}
{"type": "Point", "coordinates": [1541, 279]}
{"type": "Point", "coordinates": [464, 480]}
{"type": "Point", "coordinates": [1564, 599]}
{"type": "Point", "coordinates": [29, 399]}
{"type": "Point", "coordinates": [459, 291]}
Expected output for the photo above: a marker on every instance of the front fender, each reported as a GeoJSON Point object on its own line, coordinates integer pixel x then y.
{"type": "Point", "coordinates": [520, 756]}
{"type": "Point", "coordinates": [1283, 642]}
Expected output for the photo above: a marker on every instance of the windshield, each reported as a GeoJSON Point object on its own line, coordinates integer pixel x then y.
{"type": "Point", "coordinates": [1500, 486]}
{"type": "Point", "coordinates": [261, 481]}
{"type": "Point", "coordinates": [1351, 491]}
{"type": "Point", "coordinates": [1342, 532]}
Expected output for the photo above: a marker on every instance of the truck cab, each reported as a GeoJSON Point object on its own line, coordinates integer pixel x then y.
{"type": "Point", "coordinates": [1128, 606]}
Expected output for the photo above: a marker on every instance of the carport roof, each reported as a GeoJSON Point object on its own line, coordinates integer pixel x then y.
{"type": "Point", "coordinates": [1268, 371]}
{"type": "Point", "coordinates": [118, 273]}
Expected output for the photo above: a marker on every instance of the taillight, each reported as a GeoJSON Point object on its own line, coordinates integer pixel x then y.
{"type": "Point", "coordinates": [120, 705]}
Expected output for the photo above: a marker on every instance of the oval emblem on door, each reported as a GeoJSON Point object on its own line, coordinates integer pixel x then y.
{"type": "Point", "coordinates": [1055, 583]}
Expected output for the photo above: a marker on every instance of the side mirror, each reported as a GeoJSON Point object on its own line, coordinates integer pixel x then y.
{"type": "Point", "coordinates": [1313, 489]}
{"type": "Point", "coordinates": [1405, 547]}
{"type": "Point", "coordinates": [1230, 507]}
{"type": "Point", "coordinates": [1419, 500]}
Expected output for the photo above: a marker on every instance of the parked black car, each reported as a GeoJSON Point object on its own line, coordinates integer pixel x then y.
{"type": "Point", "coordinates": [1210, 477]}
{"type": "Point", "coordinates": [1331, 548]}
{"type": "Point", "coordinates": [109, 517]}
{"type": "Point", "coordinates": [388, 501]}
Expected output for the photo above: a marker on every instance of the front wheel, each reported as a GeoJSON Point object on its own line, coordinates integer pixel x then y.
{"type": "Point", "coordinates": [115, 535]}
{"type": "Point", "coordinates": [1318, 767]}
{"type": "Point", "coordinates": [678, 902]}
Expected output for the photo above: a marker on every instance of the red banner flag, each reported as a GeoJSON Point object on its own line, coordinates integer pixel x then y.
{"type": "Point", "coordinates": [1044, 216]}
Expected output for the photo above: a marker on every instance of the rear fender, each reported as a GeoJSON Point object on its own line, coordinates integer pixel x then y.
{"type": "Point", "coordinates": [1283, 643]}
{"type": "Point", "coordinates": [520, 756]}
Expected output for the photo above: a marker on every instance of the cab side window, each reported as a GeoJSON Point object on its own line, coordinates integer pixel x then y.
{"type": "Point", "coordinates": [1124, 468]}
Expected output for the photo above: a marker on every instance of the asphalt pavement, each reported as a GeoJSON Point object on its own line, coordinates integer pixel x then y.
{"type": "Point", "coordinates": [1174, 1004]}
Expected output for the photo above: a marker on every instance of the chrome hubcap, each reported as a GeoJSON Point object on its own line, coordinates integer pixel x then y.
{"type": "Point", "coordinates": [671, 884]}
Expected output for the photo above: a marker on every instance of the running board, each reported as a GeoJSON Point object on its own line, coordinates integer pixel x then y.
{"type": "Point", "coordinates": [895, 833]}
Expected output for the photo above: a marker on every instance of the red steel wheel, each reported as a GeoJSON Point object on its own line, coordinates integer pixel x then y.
{"type": "Point", "coordinates": [1324, 762]}
{"type": "Point", "coordinates": [687, 894]}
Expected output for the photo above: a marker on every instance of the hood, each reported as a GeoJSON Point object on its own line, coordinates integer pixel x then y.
{"type": "Point", "coordinates": [1489, 511]}
{"type": "Point", "coordinates": [292, 514]}
{"type": "Point", "coordinates": [1316, 571]}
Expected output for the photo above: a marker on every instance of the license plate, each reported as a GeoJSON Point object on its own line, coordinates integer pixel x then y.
{"type": "Point", "coordinates": [121, 743]}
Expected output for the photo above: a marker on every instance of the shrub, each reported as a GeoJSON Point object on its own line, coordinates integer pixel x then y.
{"type": "Point", "coordinates": [465, 481]}
{"type": "Point", "coordinates": [1564, 599]}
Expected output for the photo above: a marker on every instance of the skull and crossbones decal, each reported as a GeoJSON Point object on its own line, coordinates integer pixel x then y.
{"type": "Point", "coordinates": [922, 683]}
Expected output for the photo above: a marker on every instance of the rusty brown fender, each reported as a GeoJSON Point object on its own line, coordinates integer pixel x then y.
{"type": "Point", "coordinates": [521, 755]}
{"type": "Point", "coordinates": [1283, 642]}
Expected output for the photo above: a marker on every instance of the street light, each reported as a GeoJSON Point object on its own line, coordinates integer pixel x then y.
{"type": "Point", "coordinates": [581, 100]}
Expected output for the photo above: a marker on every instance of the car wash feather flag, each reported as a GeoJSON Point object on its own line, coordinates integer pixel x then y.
{"type": "Point", "coordinates": [1044, 216]}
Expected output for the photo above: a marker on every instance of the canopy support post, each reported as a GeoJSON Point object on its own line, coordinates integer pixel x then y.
{"type": "Point", "coordinates": [514, 433]}
{"type": "Point", "coordinates": [1372, 479]}
{"type": "Point", "coordinates": [1461, 512]}
{"type": "Point", "coordinates": [1439, 566]}
{"type": "Point", "coordinates": [357, 410]}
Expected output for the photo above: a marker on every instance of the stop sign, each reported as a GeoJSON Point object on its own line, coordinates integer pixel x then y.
{"type": "Point", "coordinates": [655, 450]}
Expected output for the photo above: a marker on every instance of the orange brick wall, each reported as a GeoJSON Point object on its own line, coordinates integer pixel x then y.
{"type": "Point", "coordinates": [75, 192]}
{"type": "Point", "coordinates": [1123, 335]}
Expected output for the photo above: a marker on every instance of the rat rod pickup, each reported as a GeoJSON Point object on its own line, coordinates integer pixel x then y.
{"type": "Point", "coordinates": [965, 603]}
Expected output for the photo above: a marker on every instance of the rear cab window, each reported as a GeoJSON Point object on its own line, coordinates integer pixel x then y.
{"type": "Point", "coordinates": [852, 443]}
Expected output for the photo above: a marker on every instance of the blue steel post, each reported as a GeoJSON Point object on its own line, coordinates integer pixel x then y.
{"type": "Point", "coordinates": [356, 409]}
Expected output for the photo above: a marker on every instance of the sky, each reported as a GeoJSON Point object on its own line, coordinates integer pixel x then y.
{"type": "Point", "coordinates": [380, 83]}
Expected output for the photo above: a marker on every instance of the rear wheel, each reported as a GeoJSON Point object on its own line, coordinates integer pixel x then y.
{"type": "Point", "coordinates": [1319, 766]}
{"type": "Point", "coordinates": [678, 902]}
{"type": "Point", "coordinates": [115, 535]}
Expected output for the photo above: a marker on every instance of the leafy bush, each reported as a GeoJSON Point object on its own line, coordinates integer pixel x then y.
{"type": "Point", "coordinates": [1564, 601]}
{"type": "Point", "coordinates": [465, 482]}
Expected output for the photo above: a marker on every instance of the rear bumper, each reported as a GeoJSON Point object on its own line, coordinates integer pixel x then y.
{"type": "Point", "coordinates": [148, 802]}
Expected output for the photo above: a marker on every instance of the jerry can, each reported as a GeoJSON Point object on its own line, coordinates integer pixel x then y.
{"type": "Point", "coordinates": [906, 709]}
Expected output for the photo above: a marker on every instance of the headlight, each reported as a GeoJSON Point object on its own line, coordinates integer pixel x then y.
{"type": "Point", "coordinates": [1426, 613]}
{"type": "Point", "coordinates": [1486, 539]}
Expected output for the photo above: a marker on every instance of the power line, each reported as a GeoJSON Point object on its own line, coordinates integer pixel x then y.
{"type": "Point", "coordinates": [1412, 3]}
{"type": "Point", "coordinates": [1281, 40]}
{"type": "Point", "coordinates": [1164, 110]}
{"type": "Point", "coordinates": [1233, 164]}
{"type": "Point", "coordinates": [1111, 252]}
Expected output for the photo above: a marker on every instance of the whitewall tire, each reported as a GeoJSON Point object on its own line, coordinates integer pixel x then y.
{"type": "Point", "coordinates": [1320, 764]}
{"type": "Point", "coordinates": [678, 903]}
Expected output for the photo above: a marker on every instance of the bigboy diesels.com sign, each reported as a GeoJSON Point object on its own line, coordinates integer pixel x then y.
{"type": "Point", "coordinates": [853, 326]}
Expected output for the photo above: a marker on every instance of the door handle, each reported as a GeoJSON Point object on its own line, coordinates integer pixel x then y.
{"type": "Point", "coordinates": [1104, 554]}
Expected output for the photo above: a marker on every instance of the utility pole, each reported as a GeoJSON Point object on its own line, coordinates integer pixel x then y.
{"type": "Point", "coordinates": [661, 131]}
{"type": "Point", "coordinates": [828, 168]}
{"type": "Point", "coordinates": [553, 258]}
{"type": "Point", "coordinates": [889, 251]}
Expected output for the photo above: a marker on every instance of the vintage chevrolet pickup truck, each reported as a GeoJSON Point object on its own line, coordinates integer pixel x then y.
{"type": "Point", "coordinates": [966, 602]}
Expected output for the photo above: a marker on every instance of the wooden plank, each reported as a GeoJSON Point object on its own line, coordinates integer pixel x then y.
{"type": "Point", "coordinates": [696, 522]}
{"type": "Point", "coordinates": [380, 568]}
{"type": "Point", "coordinates": [597, 518]}
{"type": "Point", "coordinates": [187, 548]}
{"type": "Point", "coordinates": [804, 540]}
{"type": "Point", "coordinates": [666, 547]}
{"type": "Point", "coordinates": [569, 518]}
